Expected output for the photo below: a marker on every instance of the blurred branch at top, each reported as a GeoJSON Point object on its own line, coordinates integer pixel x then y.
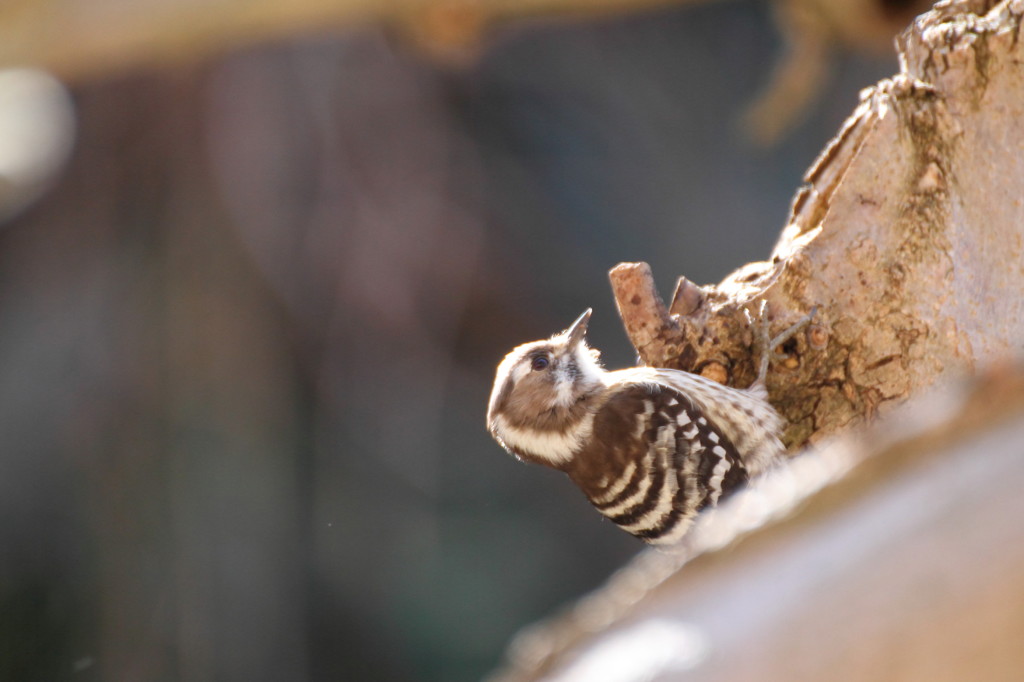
{"type": "Point", "coordinates": [116, 35]}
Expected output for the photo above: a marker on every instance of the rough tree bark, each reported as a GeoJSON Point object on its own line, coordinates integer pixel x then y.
{"type": "Point", "coordinates": [906, 235]}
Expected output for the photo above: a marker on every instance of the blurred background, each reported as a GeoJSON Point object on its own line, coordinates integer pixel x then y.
{"type": "Point", "coordinates": [251, 303]}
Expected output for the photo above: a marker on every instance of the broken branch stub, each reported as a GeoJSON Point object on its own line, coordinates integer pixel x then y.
{"type": "Point", "coordinates": [908, 235]}
{"type": "Point", "coordinates": [675, 337]}
{"type": "Point", "coordinates": [653, 332]}
{"type": "Point", "coordinates": [701, 332]}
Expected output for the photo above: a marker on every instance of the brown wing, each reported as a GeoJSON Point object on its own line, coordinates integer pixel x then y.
{"type": "Point", "coordinates": [654, 461]}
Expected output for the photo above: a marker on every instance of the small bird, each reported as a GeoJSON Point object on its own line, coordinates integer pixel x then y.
{"type": "Point", "coordinates": [649, 447]}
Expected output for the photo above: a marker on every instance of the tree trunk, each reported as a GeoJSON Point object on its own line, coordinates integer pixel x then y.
{"type": "Point", "coordinates": [905, 236]}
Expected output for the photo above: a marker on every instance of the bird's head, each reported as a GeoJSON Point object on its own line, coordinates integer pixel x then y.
{"type": "Point", "coordinates": [542, 392]}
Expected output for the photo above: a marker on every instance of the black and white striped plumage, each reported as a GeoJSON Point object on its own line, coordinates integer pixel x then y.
{"type": "Point", "coordinates": [649, 447]}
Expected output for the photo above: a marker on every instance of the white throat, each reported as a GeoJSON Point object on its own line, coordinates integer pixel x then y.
{"type": "Point", "coordinates": [551, 446]}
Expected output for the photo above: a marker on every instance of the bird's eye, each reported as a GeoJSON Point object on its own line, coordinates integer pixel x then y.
{"type": "Point", "coordinates": [540, 362]}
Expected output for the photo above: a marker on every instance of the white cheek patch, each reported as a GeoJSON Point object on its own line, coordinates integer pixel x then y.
{"type": "Point", "coordinates": [557, 448]}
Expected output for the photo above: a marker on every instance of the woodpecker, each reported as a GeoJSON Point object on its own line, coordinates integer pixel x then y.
{"type": "Point", "coordinates": [649, 447]}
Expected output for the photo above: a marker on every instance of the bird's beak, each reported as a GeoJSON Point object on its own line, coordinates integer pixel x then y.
{"type": "Point", "coordinates": [576, 333]}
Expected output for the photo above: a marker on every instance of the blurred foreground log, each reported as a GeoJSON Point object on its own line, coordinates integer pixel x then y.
{"type": "Point", "coordinates": [906, 237]}
{"type": "Point", "coordinates": [908, 567]}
